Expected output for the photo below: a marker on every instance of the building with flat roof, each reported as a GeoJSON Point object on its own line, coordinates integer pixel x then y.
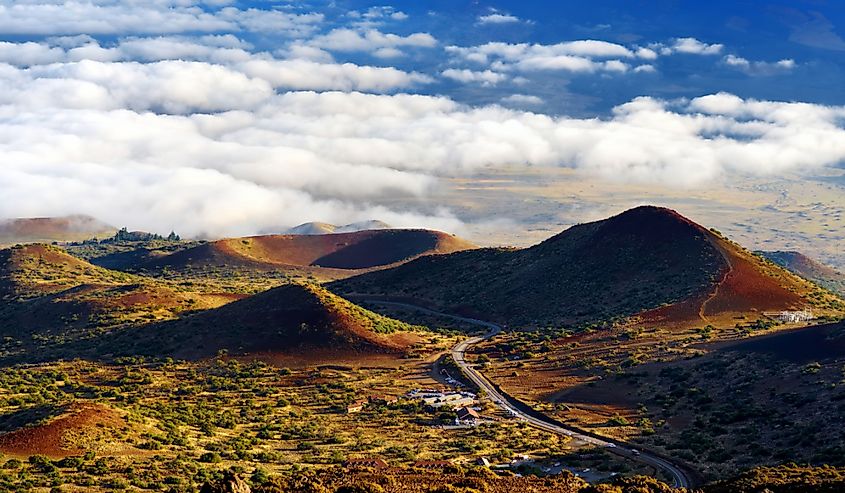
{"type": "Point", "coordinates": [355, 407]}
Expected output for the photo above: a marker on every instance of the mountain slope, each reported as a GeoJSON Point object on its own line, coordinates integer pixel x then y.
{"type": "Point", "coordinates": [34, 270]}
{"type": "Point", "coordinates": [71, 429]}
{"type": "Point", "coordinates": [312, 253]}
{"type": "Point", "coordinates": [291, 317]}
{"type": "Point", "coordinates": [50, 298]}
{"type": "Point", "coordinates": [809, 269]}
{"type": "Point", "coordinates": [647, 258]}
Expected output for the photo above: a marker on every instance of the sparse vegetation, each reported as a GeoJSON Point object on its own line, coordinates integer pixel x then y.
{"type": "Point", "coordinates": [184, 372]}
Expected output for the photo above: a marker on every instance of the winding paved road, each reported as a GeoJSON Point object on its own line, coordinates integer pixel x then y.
{"type": "Point", "coordinates": [681, 478]}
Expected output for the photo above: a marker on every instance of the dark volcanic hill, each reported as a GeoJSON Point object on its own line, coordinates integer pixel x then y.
{"type": "Point", "coordinates": [56, 306]}
{"type": "Point", "coordinates": [647, 260]}
{"type": "Point", "coordinates": [293, 317]}
{"type": "Point", "coordinates": [809, 269]}
{"type": "Point", "coordinates": [335, 253]}
{"type": "Point", "coordinates": [48, 298]}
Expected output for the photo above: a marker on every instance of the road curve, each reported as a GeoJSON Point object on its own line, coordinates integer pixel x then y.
{"type": "Point", "coordinates": [681, 478]}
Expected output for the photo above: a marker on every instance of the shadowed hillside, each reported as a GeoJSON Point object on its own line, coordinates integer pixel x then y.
{"type": "Point", "coordinates": [648, 258]}
{"type": "Point", "coordinates": [51, 298]}
{"type": "Point", "coordinates": [291, 317]}
{"type": "Point", "coordinates": [785, 386]}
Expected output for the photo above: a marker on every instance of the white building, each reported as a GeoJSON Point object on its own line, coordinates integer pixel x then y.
{"type": "Point", "coordinates": [792, 317]}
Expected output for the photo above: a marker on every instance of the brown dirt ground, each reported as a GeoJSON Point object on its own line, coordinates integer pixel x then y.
{"type": "Point", "coordinates": [61, 436]}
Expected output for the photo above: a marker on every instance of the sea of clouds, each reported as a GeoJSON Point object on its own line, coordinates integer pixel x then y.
{"type": "Point", "coordinates": [165, 115]}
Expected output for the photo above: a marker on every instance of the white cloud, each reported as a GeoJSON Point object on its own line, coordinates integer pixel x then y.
{"type": "Point", "coordinates": [96, 62]}
{"type": "Point", "coordinates": [272, 21]}
{"type": "Point", "coordinates": [218, 174]}
{"type": "Point", "coordinates": [497, 18]}
{"type": "Point", "coordinates": [306, 52]}
{"type": "Point", "coordinates": [29, 53]}
{"type": "Point", "coordinates": [718, 104]}
{"type": "Point", "coordinates": [485, 78]}
{"type": "Point", "coordinates": [174, 48]}
{"type": "Point", "coordinates": [306, 74]}
{"type": "Point", "coordinates": [522, 100]}
{"type": "Point", "coordinates": [590, 56]}
{"type": "Point", "coordinates": [585, 56]}
{"type": "Point", "coordinates": [690, 46]}
{"type": "Point", "coordinates": [217, 49]}
{"type": "Point", "coordinates": [167, 86]}
{"type": "Point", "coordinates": [371, 40]}
{"type": "Point", "coordinates": [178, 122]}
{"type": "Point", "coordinates": [68, 42]}
{"type": "Point", "coordinates": [58, 17]}
{"type": "Point", "coordinates": [80, 137]}
{"type": "Point", "coordinates": [646, 53]}
{"type": "Point", "coordinates": [759, 67]}
{"type": "Point", "coordinates": [376, 16]}
{"type": "Point", "coordinates": [522, 52]}
{"type": "Point", "coordinates": [589, 47]}
{"type": "Point", "coordinates": [615, 66]}
{"type": "Point", "coordinates": [388, 53]}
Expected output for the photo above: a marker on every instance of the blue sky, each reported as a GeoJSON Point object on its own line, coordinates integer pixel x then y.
{"type": "Point", "coordinates": [808, 32]}
{"type": "Point", "coordinates": [222, 118]}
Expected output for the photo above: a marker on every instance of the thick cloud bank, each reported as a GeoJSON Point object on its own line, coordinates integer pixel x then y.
{"type": "Point", "coordinates": [211, 150]}
{"type": "Point", "coordinates": [193, 128]}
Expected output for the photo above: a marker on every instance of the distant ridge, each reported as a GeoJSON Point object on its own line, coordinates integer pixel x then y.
{"type": "Point", "coordinates": [648, 261]}
{"type": "Point", "coordinates": [318, 228]}
{"type": "Point", "coordinates": [330, 254]}
{"type": "Point", "coordinates": [49, 229]}
{"type": "Point", "coordinates": [809, 269]}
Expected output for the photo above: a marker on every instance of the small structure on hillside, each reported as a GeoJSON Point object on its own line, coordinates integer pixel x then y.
{"type": "Point", "coordinates": [467, 416]}
{"type": "Point", "coordinates": [383, 399]}
{"type": "Point", "coordinates": [365, 463]}
{"type": "Point", "coordinates": [355, 407]}
{"type": "Point", "coordinates": [793, 317]}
